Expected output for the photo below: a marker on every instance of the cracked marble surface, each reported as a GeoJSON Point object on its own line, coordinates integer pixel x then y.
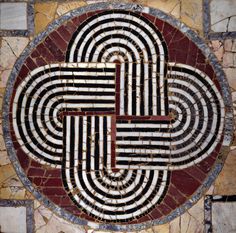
{"type": "Point", "coordinates": [45, 220]}
{"type": "Point", "coordinates": [223, 15]}
{"type": "Point", "coordinates": [184, 10]}
{"type": "Point", "coordinates": [222, 220]}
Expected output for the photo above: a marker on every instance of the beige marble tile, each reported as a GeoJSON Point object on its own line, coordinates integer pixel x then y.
{"type": "Point", "coordinates": [228, 44]}
{"type": "Point", "coordinates": [46, 221]}
{"type": "Point", "coordinates": [7, 56]}
{"type": "Point", "coordinates": [171, 7]}
{"type": "Point", "coordinates": [228, 59]}
{"type": "Point", "coordinates": [143, 2]}
{"type": "Point", "coordinates": [230, 75]}
{"type": "Point", "coordinates": [191, 14]}
{"type": "Point", "coordinates": [45, 12]}
{"type": "Point", "coordinates": [225, 183]}
{"type": "Point", "coordinates": [2, 91]}
{"type": "Point", "coordinates": [192, 221]}
{"type": "Point", "coordinates": [4, 160]}
{"type": "Point", "coordinates": [68, 6]}
{"type": "Point", "coordinates": [218, 49]}
{"type": "Point", "coordinates": [234, 46]}
{"type": "Point", "coordinates": [158, 229]}
{"type": "Point", "coordinates": [6, 172]}
{"type": "Point", "coordinates": [2, 143]}
{"type": "Point", "coordinates": [13, 189]}
{"type": "Point", "coordinates": [10, 185]}
{"type": "Point", "coordinates": [4, 75]}
{"type": "Point", "coordinates": [10, 50]}
{"type": "Point", "coordinates": [233, 146]}
{"type": "Point", "coordinates": [210, 191]}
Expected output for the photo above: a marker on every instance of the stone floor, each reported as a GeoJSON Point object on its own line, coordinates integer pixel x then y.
{"type": "Point", "coordinates": [222, 192]}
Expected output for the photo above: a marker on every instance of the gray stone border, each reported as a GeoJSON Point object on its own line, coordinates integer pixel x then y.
{"type": "Point", "coordinates": [29, 204]}
{"type": "Point", "coordinates": [30, 20]}
{"type": "Point", "coordinates": [192, 36]}
{"type": "Point", "coordinates": [207, 25]}
{"type": "Point", "coordinates": [207, 214]}
{"type": "Point", "coordinates": [209, 199]}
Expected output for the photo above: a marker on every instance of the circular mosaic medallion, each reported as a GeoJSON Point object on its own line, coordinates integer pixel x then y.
{"type": "Point", "coordinates": [116, 116]}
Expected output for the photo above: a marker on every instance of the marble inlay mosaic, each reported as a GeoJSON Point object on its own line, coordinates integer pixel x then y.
{"type": "Point", "coordinates": [116, 116]}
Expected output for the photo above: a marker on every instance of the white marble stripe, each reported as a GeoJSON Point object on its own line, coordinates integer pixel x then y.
{"type": "Point", "coordinates": [76, 145]}
{"type": "Point", "coordinates": [101, 142]}
{"type": "Point", "coordinates": [109, 143]}
{"type": "Point", "coordinates": [130, 91]}
{"type": "Point", "coordinates": [142, 142]}
{"type": "Point", "coordinates": [84, 149]}
{"type": "Point", "coordinates": [68, 142]}
{"type": "Point", "coordinates": [92, 143]}
{"type": "Point", "coordinates": [138, 89]}
{"type": "Point", "coordinates": [146, 90]}
{"type": "Point", "coordinates": [151, 134]}
{"type": "Point", "coordinates": [161, 83]}
{"type": "Point", "coordinates": [141, 125]}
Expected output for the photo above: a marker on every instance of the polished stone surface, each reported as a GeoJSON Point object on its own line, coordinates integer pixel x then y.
{"type": "Point", "coordinates": [46, 220]}
{"type": "Point", "coordinates": [13, 219]}
{"type": "Point", "coordinates": [223, 18]}
{"type": "Point", "coordinates": [114, 120]}
{"type": "Point", "coordinates": [223, 217]}
{"type": "Point", "coordinates": [13, 16]}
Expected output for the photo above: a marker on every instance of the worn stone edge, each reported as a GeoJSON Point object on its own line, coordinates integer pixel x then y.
{"type": "Point", "coordinates": [184, 29]}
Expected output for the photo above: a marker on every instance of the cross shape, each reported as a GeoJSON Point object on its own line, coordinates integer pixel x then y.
{"type": "Point", "coordinates": [117, 129]}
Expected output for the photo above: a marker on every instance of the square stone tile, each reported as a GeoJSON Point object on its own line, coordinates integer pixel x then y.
{"type": "Point", "coordinates": [223, 217]}
{"type": "Point", "coordinates": [13, 16]}
{"type": "Point", "coordinates": [222, 14]}
{"type": "Point", "coordinates": [13, 219]}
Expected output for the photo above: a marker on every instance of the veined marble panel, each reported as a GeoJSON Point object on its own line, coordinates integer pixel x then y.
{"type": "Point", "coordinates": [223, 217]}
{"type": "Point", "coordinates": [223, 17]}
{"type": "Point", "coordinates": [13, 16]}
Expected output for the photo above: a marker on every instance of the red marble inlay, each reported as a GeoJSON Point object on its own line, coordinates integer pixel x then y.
{"type": "Point", "coordinates": [130, 118]}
